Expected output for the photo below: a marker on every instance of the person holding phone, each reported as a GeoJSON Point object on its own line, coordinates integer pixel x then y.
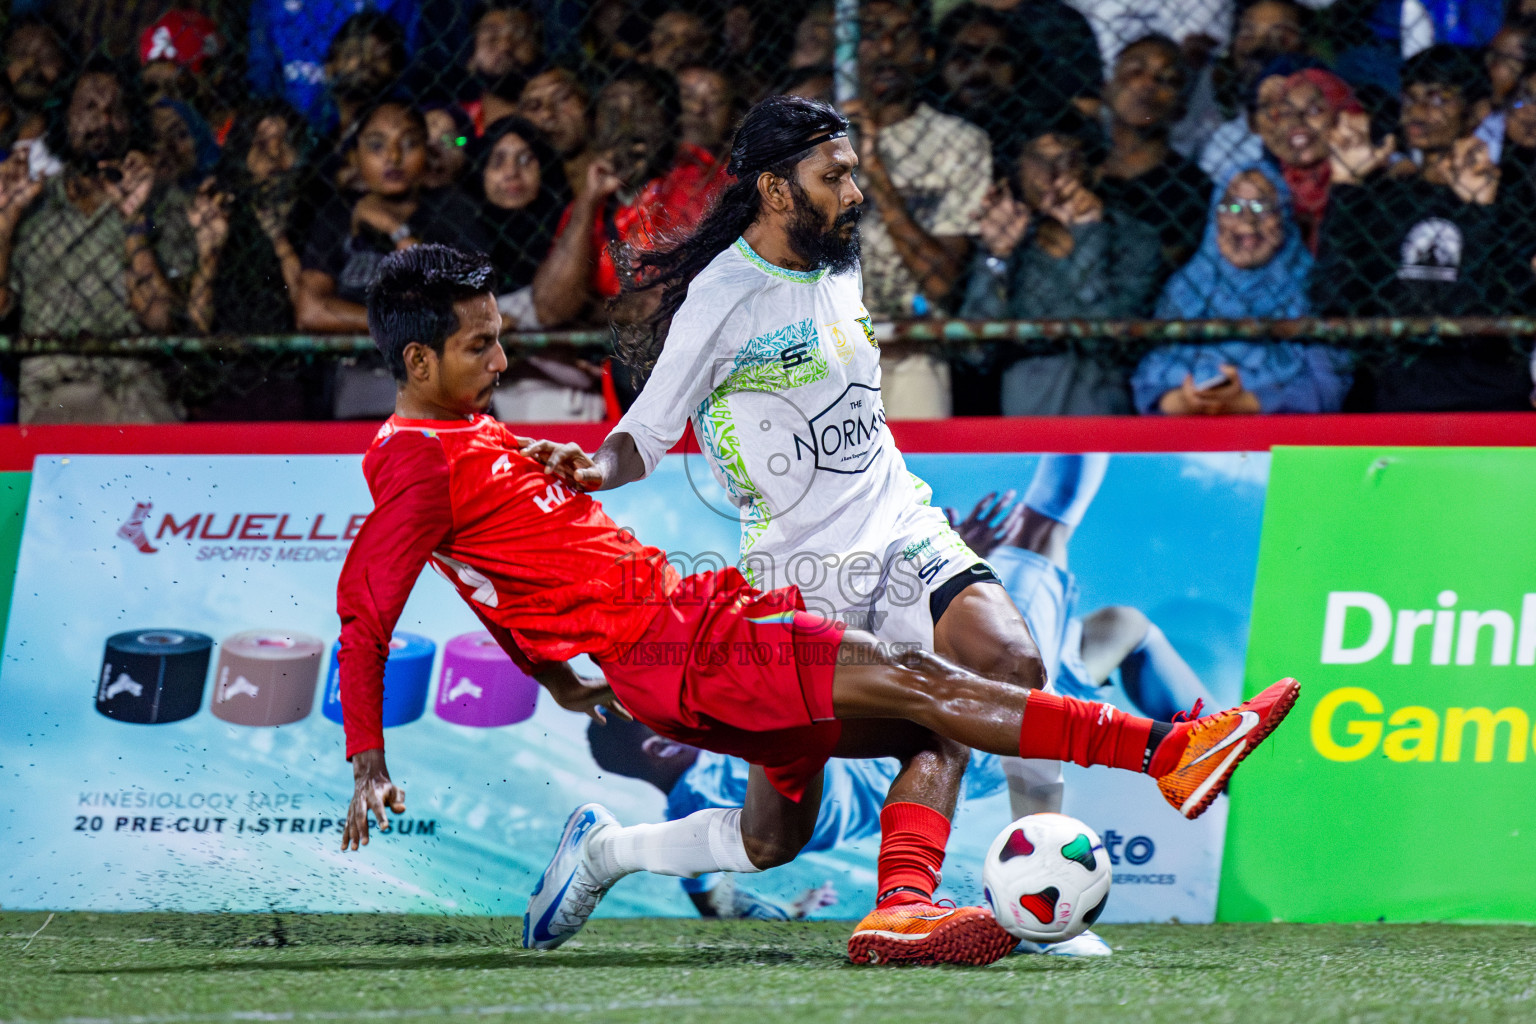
{"type": "Point", "coordinates": [1251, 263]}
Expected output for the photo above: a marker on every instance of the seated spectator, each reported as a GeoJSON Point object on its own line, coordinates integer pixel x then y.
{"type": "Point", "coordinates": [555, 102]}
{"type": "Point", "coordinates": [986, 76]}
{"type": "Point", "coordinates": [613, 35]}
{"type": "Point", "coordinates": [1300, 129]}
{"type": "Point", "coordinates": [924, 175]}
{"type": "Point", "coordinates": [814, 39]}
{"type": "Point", "coordinates": [449, 132]}
{"type": "Point", "coordinates": [1252, 263]}
{"type": "Point", "coordinates": [522, 192]}
{"type": "Point", "coordinates": [178, 54]}
{"type": "Point", "coordinates": [1051, 249]}
{"type": "Point", "coordinates": [1440, 241]}
{"type": "Point", "coordinates": [253, 290]}
{"type": "Point", "coordinates": [1065, 65]}
{"type": "Point", "coordinates": [679, 36]}
{"type": "Point", "coordinates": [82, 254]}
{"type": "Point", "coordinates": [1142, 173]}
{"type": "Point", "coordinates": [1505, 60]}
{"type": "Point", "coordinates": [1517, 166]}
{"type": "Point", "coordinates": [640, 183]}
{"type": "Point", "coordinates": [1270, 40]}
{"type": "Point", "coordinates": [364, 61]}
{"type": "Point", "coordinates": [37, 56]}
{"type": "Point", "coordinates": [814, 83]}
{"type": "Point", "coordinates": [184, 151]}
{"type": "Point", "coordinates": [351, 236]}
{"type": "Point", "coordinates": [520, 183]}
{"type": "Point", "coordinates": [293, 50]}
{"type": "Point", "coordinates": [708, 109]}
{"type": "Point", "coordinates": [1239, 142]}
{"type": "Point", "coordinates": [508, 50]}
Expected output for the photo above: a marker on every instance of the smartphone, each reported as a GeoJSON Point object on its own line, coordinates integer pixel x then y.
{"type": "Point", "coordinates": [1212, 382]}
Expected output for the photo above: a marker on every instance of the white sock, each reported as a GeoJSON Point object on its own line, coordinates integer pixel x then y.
{"type": "Point", "coordinates": [702, 842]}
{"type": "Point", "coordinates": [1034, 785]}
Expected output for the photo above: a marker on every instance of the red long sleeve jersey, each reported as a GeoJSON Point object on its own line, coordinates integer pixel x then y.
{"type": "Point", "coordinates": [541, 564]}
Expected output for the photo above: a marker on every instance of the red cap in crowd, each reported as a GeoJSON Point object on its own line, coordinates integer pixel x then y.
{"type": "Point", "coordinates": [186, 38]}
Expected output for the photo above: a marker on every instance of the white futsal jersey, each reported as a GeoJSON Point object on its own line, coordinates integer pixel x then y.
{"type": "Point", "coordinates": [779, 371]}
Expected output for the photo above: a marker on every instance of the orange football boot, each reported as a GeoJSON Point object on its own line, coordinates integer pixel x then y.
{"type": "Point", "coordinates": [924, 933]}
{"type": "Point", "coordinates": [1218, 743]}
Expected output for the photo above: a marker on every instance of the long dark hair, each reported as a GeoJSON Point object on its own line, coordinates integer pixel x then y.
{"type": "Point", "coordinates": [765, 141]}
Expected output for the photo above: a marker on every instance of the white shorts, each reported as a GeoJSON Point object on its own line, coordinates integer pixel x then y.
{"type": "Point", "coordinates": [887, 592]}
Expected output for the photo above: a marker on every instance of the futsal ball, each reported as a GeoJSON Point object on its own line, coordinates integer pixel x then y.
{"type": "Point", "coordinates": [1046, 877]}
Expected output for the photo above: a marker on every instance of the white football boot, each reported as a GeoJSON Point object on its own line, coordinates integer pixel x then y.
{"type": "Point", "coordinates": [1086, 944]}
{"type": "Point", "coordinates": [568, 891]}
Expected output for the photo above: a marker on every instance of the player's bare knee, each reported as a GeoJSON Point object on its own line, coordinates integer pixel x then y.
{"type": "Point", "coordinates": [1016, 662]}
{"type": "Point", "coordinates": [770, 851]}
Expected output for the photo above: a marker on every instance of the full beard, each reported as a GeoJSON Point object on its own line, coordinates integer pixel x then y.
{"type": "Point", "coordinates": [821, 247]}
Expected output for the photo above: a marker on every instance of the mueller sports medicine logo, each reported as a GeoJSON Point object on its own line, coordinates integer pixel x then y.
{"type": "Point", "coordinates": [244, 536]}
{"type": "Point", "coordinates": [845, 437]}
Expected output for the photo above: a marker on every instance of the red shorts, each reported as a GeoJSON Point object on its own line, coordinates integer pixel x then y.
{"type": "Point", "coordinates": [737, 671]}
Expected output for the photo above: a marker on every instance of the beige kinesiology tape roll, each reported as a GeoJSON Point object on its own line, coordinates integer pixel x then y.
{"type": "Point", "coordinates": [266, 677]}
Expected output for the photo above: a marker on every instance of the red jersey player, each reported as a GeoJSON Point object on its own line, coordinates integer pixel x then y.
{"type": "Point", "coordinates": [705, 660]}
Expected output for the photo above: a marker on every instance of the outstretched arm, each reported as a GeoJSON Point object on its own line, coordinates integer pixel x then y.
{"type": "Point", "coordinates": [411, 516]}
{"type": "Point", "coordinates": [615, 463]}
{"type": "Point", "coordinates": [576, 693]}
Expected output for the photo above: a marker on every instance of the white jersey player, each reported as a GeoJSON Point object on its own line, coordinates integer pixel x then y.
{"type": "Point", "coordinates": [762, 341]}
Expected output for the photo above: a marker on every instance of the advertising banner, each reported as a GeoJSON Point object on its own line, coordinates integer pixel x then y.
{"type": "Point", "coordinates": [1399, 586]}
{"type": "Point", "coordinates": [169, 715]}
{"type": "Point", "coordinates": [13, 510]}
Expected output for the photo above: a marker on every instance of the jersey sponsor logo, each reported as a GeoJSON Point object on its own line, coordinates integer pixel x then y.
{"type": "Point", "coordinates": [555, 495]}
{"type": "Point", "coordinates": [502, 465]}
{"type": "Point", "coordinates": [848, 435]}
{"type": "Point", "coordinates": [930, 572]}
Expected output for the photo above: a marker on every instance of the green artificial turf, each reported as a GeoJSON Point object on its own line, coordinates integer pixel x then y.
{"type": "Point", "coordinates": [162, 968]}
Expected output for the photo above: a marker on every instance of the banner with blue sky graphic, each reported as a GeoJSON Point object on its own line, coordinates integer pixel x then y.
{"type": "Point", "coordinates": [168, 720]}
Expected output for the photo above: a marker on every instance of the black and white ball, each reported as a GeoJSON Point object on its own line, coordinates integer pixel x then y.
{"type": "Point", "coordinates": [1047, 877]}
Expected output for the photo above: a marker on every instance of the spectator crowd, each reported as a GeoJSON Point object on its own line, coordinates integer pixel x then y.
{"type": "Point", "coordinates": [241, 168]}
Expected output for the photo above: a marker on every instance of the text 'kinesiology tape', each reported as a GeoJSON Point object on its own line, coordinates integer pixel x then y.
{"type": "Point", "coordinates": [153, 676]}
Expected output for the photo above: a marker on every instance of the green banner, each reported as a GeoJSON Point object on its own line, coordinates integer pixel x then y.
{"type": "Point", "coordinates": [13, 511]}
{"type": "Point", "coordinates": [1399, 586]}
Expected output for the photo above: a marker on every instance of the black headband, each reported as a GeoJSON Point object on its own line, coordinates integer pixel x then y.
{"type": "Point", "coordinates": [784, 152]}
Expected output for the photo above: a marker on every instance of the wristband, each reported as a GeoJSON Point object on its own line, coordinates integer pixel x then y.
{"type": "Point", "coordinates": [400, 234]}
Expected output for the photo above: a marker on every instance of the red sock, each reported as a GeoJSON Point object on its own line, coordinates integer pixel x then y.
{"type": "Point", "coordinates": [912, 839]}
{"type": "Point", "coordinates": [1060, 728]}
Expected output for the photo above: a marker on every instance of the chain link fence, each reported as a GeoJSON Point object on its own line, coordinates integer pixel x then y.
{"type": "Point", "coordinates": [1094, 206]}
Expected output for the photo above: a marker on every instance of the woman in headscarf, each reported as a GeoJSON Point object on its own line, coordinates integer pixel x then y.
{"type": "Point", "coordinates": [185, 149]}
{"type": "Point", "coordinates": [1299, 126]}
{"type": "Point", "coordinates": [521, 188]}
{"type": "Point", "coordinates": [1251, 263]}
{"type": "Point", "coordinates": [520, 184]}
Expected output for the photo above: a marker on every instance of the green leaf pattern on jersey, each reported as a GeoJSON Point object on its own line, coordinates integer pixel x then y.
{"type": "Point", "coordinates": [777, 361]}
